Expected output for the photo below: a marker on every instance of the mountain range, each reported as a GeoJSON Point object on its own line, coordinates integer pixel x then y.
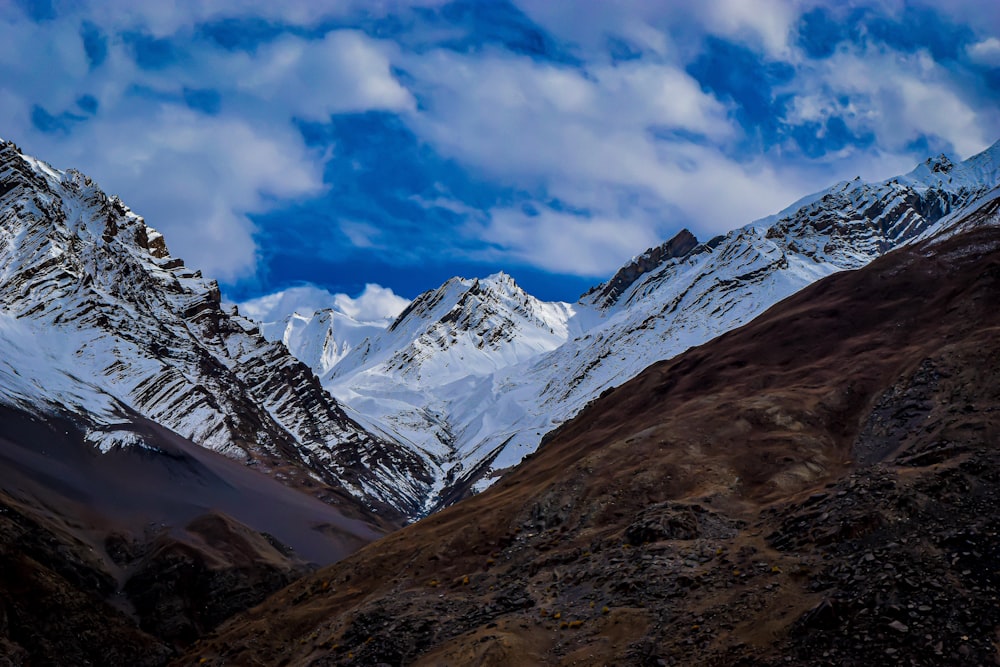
{"type": "Point", "coordinates": [735, 404]}
{"type": "Point", "coordinates": [472, 375]}
{"type": "Point", "coordinates": [816, 487]}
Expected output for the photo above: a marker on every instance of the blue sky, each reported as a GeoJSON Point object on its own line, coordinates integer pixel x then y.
{"type": "Point", "coordinates": [398, 143]}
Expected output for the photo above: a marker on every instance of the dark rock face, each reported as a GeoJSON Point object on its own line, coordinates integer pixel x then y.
{"type": "Point", "coordinates": [54, 609]}
{"type": "Point", "coordinates": [911, 577]}
{"type": "Point", "coordinates": [111, 559]}
{"type": "Point", "coordinates": [62, 604]}
{"type": "Point", "coordinates": [181, 591]}
{"type": "Point", "coordinates": [676, 248]}
{"type": "Point", "coordinates": [677, 521]}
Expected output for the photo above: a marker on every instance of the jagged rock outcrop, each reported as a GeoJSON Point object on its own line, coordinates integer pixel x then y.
{"type": "Point", "coordinates": [676, 248]}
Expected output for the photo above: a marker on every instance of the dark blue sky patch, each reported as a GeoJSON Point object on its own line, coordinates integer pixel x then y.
{"type": "Point", "coordinates": [816, 139]}
{"type": "Point", "coordinates": [991, 77]}
{"type": "Point", "coordinates": [930, 145]}
{"type": "Point", "coordinates": [377, 155]}
{"type": "Point", "coordinates": [821, 30]}
{"type": "Point", "coordinates": [50, 124]}
{"type": "Point", "coordinates": [37, 10]}
{"type": "Point", "coordinates": [529, 209]}
{"type": "Point", "coordinates": [205, 100]}
{"type": "Point", "coordinates": [95, 44]}
{"type": "Point", "coordinates": [819, 33]}
{"type": "Point", "coordinates": [380, 178]}
{"type": "Point", "coordinates": [415, 206]}
{"type": "Point", "coordinates": [561, 206]}
{"type": "Point", "coordinates": [736, 74]}
{"type": "Point", "coordinates": [152, 53]}
{"type": "Point", "coordinates": [87, 103]}
{"type": "Point", "coordinates": [241, 34]}
{"type": "Point", "coordinates": [921, 29]}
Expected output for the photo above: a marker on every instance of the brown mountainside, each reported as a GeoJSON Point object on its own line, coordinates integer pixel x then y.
{"type": "Point", "coordinates": [817, 487]}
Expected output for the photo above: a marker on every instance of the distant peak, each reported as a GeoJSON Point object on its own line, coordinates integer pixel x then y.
{"type": "Point", "coordinates": [502, 280]}
{"type": "Point", "coordinates": [500, 277]}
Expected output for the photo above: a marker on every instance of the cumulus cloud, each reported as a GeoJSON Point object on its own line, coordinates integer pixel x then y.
{"type": "Point", "coordinates": [896, 97]}
{"type": "Point", "coordinates": [374, 304]}
{"type": "Point", "coordinates": [196, 179]}
{"type": "Point", "coordinates": [274, 307]}
{"type": "Point", "coordinates": [613, 141]}
{"type": "Point", "coordinates": [520, 118]}
{"type": "Point", "coordinates": [343, 72]}
{"type": "Point", "coordinates": [986, 52]}
{"type": "Point", "coordinates": [766, 24]}
{"type": "Point", "coordinates": [565, 243]}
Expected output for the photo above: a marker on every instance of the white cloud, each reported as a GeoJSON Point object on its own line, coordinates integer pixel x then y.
{"type": "Point", "coordinates": [374, 304]}
{"type": "Point", "coordinates": [314, 79]}
{"type": "Point", "coordinates": [766, 25]}
{"type": "Point", "coordinates": [986, 52]}
{"type": "Point", "coordinates": [361, 234]}
{"type": "Point", "coordinates": [564, 243]}
{"type": "Point", "coordinates": [194, 178]}
{"type": "Point", "coordinates": [515, 117]}
{"type": "Point", "coordinates": [274, 307]}
{"type": "Point", "coordinates": [767, 21]}
{"type": "Point", "coordinates": [897, 97]}
{"type": "Point", "coordinates": [599, 140]}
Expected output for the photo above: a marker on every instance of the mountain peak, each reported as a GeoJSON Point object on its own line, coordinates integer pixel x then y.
{"type": "Point", "coordinates": [940, 164]}
{"type": "Point", "coordinates": [676, 248]}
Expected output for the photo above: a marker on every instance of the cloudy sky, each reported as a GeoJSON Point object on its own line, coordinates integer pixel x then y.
{"type": "Point", "coordinates": [374, 148]}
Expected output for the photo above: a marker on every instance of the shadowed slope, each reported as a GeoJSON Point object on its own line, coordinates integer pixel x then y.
{"type": "Point", "coordinates": [115, 558]}
{"type": "Point", "coordinates": [802, 487]}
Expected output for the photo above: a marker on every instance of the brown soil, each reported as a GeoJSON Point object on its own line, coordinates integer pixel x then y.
{"type": "Point", "coordinates": [818, 487]}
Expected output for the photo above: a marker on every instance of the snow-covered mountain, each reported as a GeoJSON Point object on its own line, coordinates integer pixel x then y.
{"type": "Point", "coordinates": [473, 374]}
{"type": "Point", "coordinates": [99, 323]}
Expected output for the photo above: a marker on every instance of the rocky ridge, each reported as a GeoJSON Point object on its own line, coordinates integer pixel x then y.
{"type": "Point", "coordinates": [99, 321]}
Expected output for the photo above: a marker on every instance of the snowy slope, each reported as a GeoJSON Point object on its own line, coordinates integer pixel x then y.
{"type": "Point", "coordinates": [98, 322]}
{"type": "Point", "coordinates": [399, 379]}
{"type": "Point", "coordinates": [473, 374]}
